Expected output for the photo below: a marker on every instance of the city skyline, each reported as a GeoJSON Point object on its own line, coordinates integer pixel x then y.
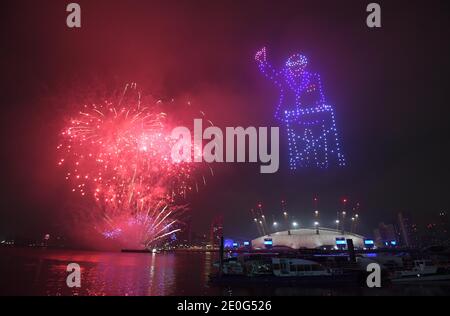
{"type": "Point", "coordinates": [217, 155]}
{"type": "Point", "coordinates": [393, 142]}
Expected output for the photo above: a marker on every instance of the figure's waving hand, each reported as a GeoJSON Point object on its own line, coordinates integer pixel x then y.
{"type": "Point", "coordinates": [265, 67]}
{"type": "Point", "coordinates": [261, 55]}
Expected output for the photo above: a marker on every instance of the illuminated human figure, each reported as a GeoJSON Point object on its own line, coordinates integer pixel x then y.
{"type": "Point", "coordinates": [310, 122]}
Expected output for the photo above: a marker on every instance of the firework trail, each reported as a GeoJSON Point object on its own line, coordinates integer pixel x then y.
{"type": "Point", "coordinates": [119, 153]}
{"type": "Point", "coordinates": [148, 226]}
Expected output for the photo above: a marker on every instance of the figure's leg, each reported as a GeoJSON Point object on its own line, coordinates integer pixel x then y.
{"type": "Point", "coordinates": [324, 145]}
{"type": "Point", "coordinates": [329, 141]}
{"type": "Point", "coordinates": [308, 145]}
{"type": "Point", "coordinates": [313, 139]}
{"type": "Point", "coordinates": [334, 140]}
{"type": "Point", "coordinates": [293, 147]}
{"type": "Point", "coordinates": [314, 126]}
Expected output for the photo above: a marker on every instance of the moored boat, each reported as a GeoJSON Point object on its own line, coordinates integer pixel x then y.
{"type": "Point", "coordinates": [422, 271]}
{"type": "Point", "coordinates": [280, 271]}
{"type": "Point", "coordinates": [293, 267]}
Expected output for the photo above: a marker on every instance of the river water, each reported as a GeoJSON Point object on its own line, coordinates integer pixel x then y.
{"type": "Point", "coordinates": [32, 271]}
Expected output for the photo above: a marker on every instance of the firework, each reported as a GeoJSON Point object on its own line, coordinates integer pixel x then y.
{"type": "Point", "coordinates": [118, 152]}
{"type": "Point", "coordinates": [148, 226]}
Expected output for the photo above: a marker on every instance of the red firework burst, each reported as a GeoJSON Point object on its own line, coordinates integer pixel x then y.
{"type": "Point", "coordinates": [119, 153]}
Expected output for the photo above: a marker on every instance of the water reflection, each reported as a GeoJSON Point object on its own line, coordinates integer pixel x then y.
{"type": "Point", "coordinates": [43, 272]}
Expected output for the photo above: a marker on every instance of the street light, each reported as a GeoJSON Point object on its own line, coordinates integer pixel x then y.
{"type": "Point", "coordinates": [275, 226]}
{"type": "Point", "coordinates": [286, 221]}
{"type": "Point", "coordinates": [294, 224]}
{"type": "Point", "coordinates": [355, 222]}
{"type": "Point", "coordinates": [316, 224]}
{"type": "Point", "coordinates": [337, 224]}
{"type": "Point", "coordinates": [343, 220]}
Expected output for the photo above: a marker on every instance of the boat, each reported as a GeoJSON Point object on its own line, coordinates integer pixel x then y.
{"type": "Point", "coordinates": [422, 271]}
{"type": "Point", "coordinates": [265, 270]}
{"type": "Point", "coordinates": [293, 267]}
{"type": "Point", "coordinates": [255, 264]}
{"type": "Point", "coordinates": [232, 266]}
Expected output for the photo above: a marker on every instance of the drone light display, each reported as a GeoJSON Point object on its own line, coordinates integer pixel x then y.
{"type": "Point", "coordinates": [310, 122]}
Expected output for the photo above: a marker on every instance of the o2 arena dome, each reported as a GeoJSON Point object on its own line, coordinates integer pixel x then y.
{"type": "Point", "coordinates": [307, 238]}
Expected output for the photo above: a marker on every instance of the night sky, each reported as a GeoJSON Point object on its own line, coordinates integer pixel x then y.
{"type": "Point", "coordinates": [389, 87]}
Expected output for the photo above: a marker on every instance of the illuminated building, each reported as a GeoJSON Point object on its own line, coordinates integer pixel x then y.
{"type": "Point", "coordinates": [405, 230]}
{"type": "Point", "coordinates": [385, 235]}
{"type": "Point", "coordinates": [216, 231]}
{"type": "Point", "coordinates": [444, 224]}
{"type": "Point", "coordinates": [306, 238]}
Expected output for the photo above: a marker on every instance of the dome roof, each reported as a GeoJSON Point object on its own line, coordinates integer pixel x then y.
{"type": "Point", "coordinates": [307, 238]}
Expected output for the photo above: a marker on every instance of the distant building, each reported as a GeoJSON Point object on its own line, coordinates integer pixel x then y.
{"type": "Point", "coordinates": [385, 235]}
{"type": "Point", "coordinates": [185, 236]}
{"type": "Point", "coordinates": [431, 235]}
{"type": "Point", "coordinates": [199, 240]}
{"type": "Point", "coordinates": [437, 232]}
{"type": "Point", "coordinates": [408, 231]}
{"type": "Point", "coordinates": [444, 225]}
{"type": "Point", "coordinates": [415, 236]}
{"type": "Point", "coordinates": [306, 238]}
{"type": "Point", "coordinates": [216, 231]}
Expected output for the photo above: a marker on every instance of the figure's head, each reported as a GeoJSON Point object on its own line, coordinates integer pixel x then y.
{"type": "Point", "coordinates": [296, 64]}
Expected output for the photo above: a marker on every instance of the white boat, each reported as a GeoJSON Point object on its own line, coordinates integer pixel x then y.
{"type": "Point", "coordinates": [422, 270]}
{"type": "Point", "coordinates": [293, 267]}
{"type": "Point", "coordinates": [233, 267]}
{"type": "Point", "coordinates": [247, 264]}
{"type": "Point", "coordinates": [272, 271]}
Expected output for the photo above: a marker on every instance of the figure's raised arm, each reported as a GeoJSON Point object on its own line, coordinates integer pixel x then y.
{"type": "Point", "coordinates": [265, 67]}
{"type": "Point", "coordinates": [318, 87]}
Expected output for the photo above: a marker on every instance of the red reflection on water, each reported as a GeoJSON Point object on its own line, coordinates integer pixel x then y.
{"type": "Point", "coordinates": [30, 271]}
